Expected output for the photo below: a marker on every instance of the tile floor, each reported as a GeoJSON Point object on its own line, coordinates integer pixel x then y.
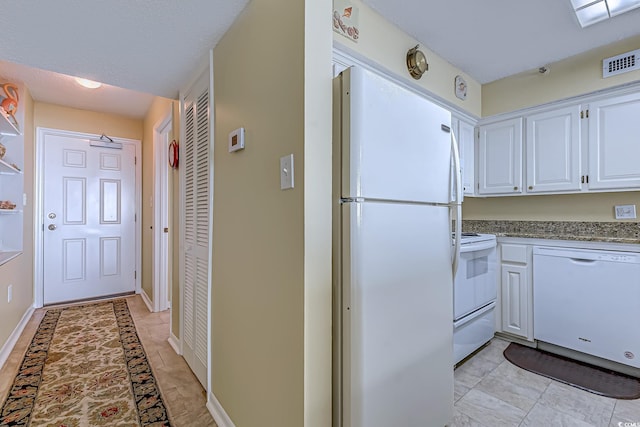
{"type": "Point", "coordinates": [184, 397]}
{"type": "Point", "coordinates": [492, 392]}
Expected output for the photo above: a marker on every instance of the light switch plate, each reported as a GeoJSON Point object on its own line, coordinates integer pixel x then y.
{"type": "Point", "coordinates": [625, 211]}
{"type": "Point", "coordinates": [286, 172]}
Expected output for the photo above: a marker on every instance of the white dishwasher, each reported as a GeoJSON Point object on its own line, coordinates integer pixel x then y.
{"type": "Point", "coordinates": [588, 301]}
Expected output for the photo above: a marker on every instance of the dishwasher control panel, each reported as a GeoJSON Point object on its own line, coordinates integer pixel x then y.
{"type": "Point", "coordinates": [588, 254]}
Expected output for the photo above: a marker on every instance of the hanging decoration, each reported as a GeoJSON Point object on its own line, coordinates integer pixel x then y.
{"type": "Point", "coordinates": [174, 154]}
{"type": "Point", "coordinates": [9, 102]}
{"type": "Point", "coordinates": [346, 19]}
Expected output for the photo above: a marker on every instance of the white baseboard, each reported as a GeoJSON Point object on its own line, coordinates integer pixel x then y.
{"type": "Point", "coordinates": [217, 412]}
{"type": "Point", "coordinates": [175, 344]}
{"type": "Point", "coordinates": [7, 348]}
{"type": "Point", "coordinates": [147, 300]}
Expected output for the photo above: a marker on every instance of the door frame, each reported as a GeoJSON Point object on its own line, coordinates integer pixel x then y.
{"type": "Point", "coordinates": [161, 247]}
{"type": "Point", "coordinates": [38, 210]}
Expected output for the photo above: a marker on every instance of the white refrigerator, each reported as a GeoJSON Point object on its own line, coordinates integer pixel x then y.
{"type": "Point", "coordinates": [393, 254]}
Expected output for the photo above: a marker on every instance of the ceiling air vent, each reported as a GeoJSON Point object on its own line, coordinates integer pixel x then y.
{"type": "Point", "coordinates": [621, 63]}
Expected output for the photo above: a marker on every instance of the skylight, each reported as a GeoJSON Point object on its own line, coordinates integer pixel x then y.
{"type": "Point", "coordinates": [589, 11]}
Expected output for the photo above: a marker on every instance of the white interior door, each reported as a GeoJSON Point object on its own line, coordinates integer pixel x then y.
{"type": "Point", "coordinates": [89, 239]}
{"type": "Point", "coordinates": [196, 214]}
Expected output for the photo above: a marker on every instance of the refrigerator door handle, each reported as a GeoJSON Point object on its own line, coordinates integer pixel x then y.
{"type": "Point", "coordinates": [456, 204]}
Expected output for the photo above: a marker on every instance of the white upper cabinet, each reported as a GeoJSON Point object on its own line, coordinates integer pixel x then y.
{"type": "Point", "coordinates": [591, 145]}
{"type": "Point", "coordinates": [464, 132]}
{"type": "Point", "coordinates": [553, 155]}
{"type": "Point", "coordinates": [468, 156]}
{"type": "Point", "coordinates": [500, 157]}
{"type": "Point", "coordinates": [614, 143]}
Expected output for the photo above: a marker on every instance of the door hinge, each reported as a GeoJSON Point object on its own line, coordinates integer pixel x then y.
{"type": "Point", "coordinates": [582, 179]}
{"type": "Point", "coordinates": [135, 274]}
{"type": "Point", "coordinates": [135, 217]}
{"type": "Point", "coordinates": [587, 179]}
{"type": "Point", "coordinates": [582, 114]}
{"type": "Point", "coordinates": [587, 114]}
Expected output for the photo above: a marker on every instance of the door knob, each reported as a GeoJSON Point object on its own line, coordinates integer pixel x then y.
{"type": "Point", "coordinates": [52, 227]}
{"type": "Point", "coordinates": [51, 215]}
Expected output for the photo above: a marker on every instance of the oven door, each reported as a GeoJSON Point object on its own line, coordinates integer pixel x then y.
{"type": "Point", "coordinates": [475, 283]}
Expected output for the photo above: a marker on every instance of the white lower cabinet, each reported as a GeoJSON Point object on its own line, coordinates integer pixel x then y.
{"type": "Point", "coordinates": [516, 293]}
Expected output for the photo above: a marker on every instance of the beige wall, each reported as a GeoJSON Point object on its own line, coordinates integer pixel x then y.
{"type": "Point", "coordinates": [383, 43]}
{"type": "Point", "coordinates": [19, 271]}
{"type": "Point", "coordinates": [571, 77]}
{"type": "Point", "coordinates": [574, 76]}
{"type": "Point", "coordinates": [174, 231]}
{"type": "Point", "coordinates": [65, 118]}
{"type": "Point", "coordinates": [264, 326]}
{"type": "Point", "coordinates": [567, 207]}
{"type": "Point", "coordinates": [159, 109]}
{"type": "Point", "coordinates": [317, 214]}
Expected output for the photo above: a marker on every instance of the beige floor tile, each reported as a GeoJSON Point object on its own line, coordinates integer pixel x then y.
{"type": "Point", "coordinates": [494, 350]}
{"type": "Point", "coordinates": [543, 416]}
{"type": "Point", "coordinates": [515, 386]}
{"type": "Point", "coordinates": [626, 411]}
{"type": "Point", "coordinates": [462, 420]}
{"type": "Point", "coordinates": [588, 407]}
{"type": "Point", "coordinates": [488, 410]}
{"type": "Point", "coordinates": [475, 369]}
{"type": "Point", "coordinates": [459, 390]}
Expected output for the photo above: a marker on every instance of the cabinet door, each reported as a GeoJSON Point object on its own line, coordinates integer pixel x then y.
{"type": "Point", "coordinates": [500, 157]}
{"type": "Point", "coordinates": [467, 157]}
{"type": "Point", "coordinates": [614, 143]}
{"type": "Point", "coordinates": [553, 150]}
{"type": "Point", "coordinates": [516, 301]}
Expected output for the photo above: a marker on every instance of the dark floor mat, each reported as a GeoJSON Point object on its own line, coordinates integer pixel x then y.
{"type": "Point", "coordinates": [578, 374]}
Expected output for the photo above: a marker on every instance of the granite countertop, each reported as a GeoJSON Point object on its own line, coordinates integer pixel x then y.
{"type": "Point", "coordinates": [611, 232]}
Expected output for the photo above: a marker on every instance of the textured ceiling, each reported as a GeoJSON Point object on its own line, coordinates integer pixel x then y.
{"type": "Point", "coordinates": [148, 46]}
{"type": "Point", "coordinates": [492, 39]}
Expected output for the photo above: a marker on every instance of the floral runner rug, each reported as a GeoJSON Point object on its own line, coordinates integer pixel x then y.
{"type": "Point", "coordinates": [85, 367]}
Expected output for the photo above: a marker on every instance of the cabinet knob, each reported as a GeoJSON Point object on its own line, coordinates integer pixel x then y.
{"type": "Point", "coordinates": [531, 187]}
{"type": "Point", "coordinates": [515, 188]}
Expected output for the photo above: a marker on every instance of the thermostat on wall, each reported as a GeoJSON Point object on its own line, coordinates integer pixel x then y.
{"type": "Point", "coordinates": [236, 140]}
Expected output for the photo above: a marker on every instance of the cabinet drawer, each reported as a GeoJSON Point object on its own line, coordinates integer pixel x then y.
{"type": "Point", "coordinates": [514, 253]}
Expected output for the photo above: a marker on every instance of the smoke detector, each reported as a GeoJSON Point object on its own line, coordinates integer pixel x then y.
{"type": "Point", "coordinates": [620, 64]}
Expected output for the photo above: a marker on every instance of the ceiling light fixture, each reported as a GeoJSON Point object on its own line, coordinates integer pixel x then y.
{"type": "Point", "coordinates": [590, 12]}
{"type": "Point", "coordinates": [89, 84]}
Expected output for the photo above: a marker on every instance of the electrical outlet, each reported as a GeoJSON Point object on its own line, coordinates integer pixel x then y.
{"type": "Point", "coordinates": [625, 211]}
{"type": "Point", "coordinates": [9, 293]}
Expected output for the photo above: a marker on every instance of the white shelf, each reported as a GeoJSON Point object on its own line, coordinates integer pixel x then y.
{"type": "Point", "coordinates": [6, 256]}
{"type": "Point", "coordinates": [7, 168]}
{"type": "Point", "coordinates": [6, 125]}
{"type": "Point", "coordinates": [9, 211]}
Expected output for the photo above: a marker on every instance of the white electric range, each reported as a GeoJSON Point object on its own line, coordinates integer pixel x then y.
{"type": "Point", "coordinates": [475, 290]}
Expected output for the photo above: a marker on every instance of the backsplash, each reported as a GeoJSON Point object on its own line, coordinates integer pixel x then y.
{"type": "Point", "coordinates": [619, 232]}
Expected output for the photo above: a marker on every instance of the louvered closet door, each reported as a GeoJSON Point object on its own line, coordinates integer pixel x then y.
{"type": "Point", "coordinates": [197, 209]}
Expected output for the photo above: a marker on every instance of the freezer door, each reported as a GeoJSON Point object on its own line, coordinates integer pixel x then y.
{"type": "Point", "coordinates": [393, 143]}
{"type": "Point", "coordinates": [396, 309]}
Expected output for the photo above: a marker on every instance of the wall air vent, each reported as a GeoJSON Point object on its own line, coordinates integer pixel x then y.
{"type": "Point", "coordinates": [621, 63]}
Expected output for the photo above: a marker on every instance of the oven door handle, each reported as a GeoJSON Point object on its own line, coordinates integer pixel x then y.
{"type": "Point", "coordinates": [457, 204]}
{"type": "Point", "coordinates": [477, 246]}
